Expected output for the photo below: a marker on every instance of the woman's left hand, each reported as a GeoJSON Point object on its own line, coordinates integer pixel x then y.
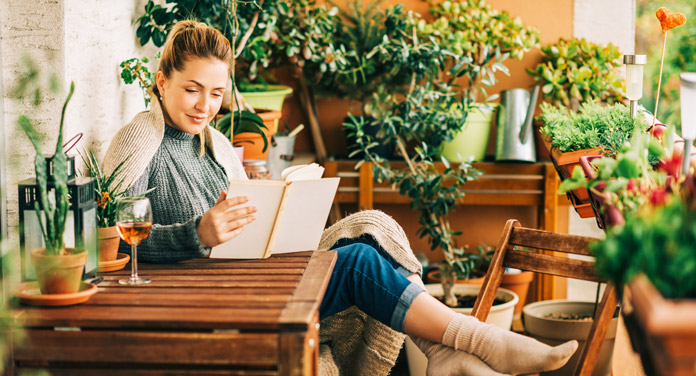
{"type": "Point", "coordinates": [222, 223]}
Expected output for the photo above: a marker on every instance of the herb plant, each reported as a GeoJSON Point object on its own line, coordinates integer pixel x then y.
{"type": "Point", "coordinates": [579, 70]}
{"type": "Point", "coordinates": [594, 125]}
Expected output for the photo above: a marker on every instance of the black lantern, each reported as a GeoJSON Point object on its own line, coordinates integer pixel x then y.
{"type": "Point", "coordinates": [80, 224]}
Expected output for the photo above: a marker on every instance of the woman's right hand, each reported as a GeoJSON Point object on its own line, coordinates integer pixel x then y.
{"type": "Point", "coordinates": [220, 224]}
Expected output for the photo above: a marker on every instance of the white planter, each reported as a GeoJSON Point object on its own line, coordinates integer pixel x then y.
{"type": "Point", "coordinates": [539, 325]}
{"type": "Point", "coordinates": [500, 316]}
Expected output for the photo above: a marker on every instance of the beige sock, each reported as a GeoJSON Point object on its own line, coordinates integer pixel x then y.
{"type": "Point", "coordinates": [446, 361]}
{"type": "Point", "coordinates": [503, 350]}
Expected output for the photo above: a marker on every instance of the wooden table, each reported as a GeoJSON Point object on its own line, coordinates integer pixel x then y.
{"type": "Point", "coordinates": [251, 317]}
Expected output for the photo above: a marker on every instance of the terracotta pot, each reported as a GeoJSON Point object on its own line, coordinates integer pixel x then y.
{"type": "Point", "coordinates": [59, 274]}
{"type": "Point", "coordinates": [253, 142]}
{"type": "Point", "coordinates": [519, 283]}
{"type": "Point", "coordinates": [108, 243]}
{"type": "Point", "coordinates": [565, 164]}
{"type": "Point", "coordinates": [662, 330]}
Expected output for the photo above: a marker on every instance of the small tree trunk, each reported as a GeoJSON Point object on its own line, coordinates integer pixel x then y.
{"type": "Point", "coordinates": [307, 103]}
{"type": "Point", "coordinates": [449, 278]}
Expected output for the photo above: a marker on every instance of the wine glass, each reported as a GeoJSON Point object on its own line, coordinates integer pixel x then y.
{"type": "Point", "coordinates": [134, 221]}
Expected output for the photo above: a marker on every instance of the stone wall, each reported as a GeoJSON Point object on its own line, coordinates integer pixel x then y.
{"type": "Point", "coordinates": [82, 41]}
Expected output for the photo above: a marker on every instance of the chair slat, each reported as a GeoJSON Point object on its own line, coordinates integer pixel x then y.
{"type": "Point", "coordinates": [547, 264]}
{"type": "Point", "coordinates": [538, 239]}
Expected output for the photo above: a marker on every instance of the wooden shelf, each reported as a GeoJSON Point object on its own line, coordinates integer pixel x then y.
{"type": "Point", "coordinates": [502, 184]}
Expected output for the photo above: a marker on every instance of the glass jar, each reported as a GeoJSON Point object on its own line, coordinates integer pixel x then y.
{"type": "Point", "coordinates": [256, 169]}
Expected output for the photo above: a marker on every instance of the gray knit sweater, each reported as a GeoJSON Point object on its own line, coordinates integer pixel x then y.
{"type": "Point", "coordinates": [186, 185]}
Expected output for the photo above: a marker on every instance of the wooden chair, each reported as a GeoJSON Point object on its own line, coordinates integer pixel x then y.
{"type": "Point", "coordinates": [506, 256]}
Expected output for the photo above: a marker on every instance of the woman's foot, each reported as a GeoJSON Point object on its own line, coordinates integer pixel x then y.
{"type": "Point", "coordinates": [503, 350]}
{"type": "Point", "coordinates": [446, 361]}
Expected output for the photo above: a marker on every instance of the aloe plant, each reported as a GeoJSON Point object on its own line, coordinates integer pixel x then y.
{"type": "Point", "coordinates": [53, 203]}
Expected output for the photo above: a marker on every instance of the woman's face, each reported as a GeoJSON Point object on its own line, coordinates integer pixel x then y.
{"type": "Point", "coordinates": [191, 97]}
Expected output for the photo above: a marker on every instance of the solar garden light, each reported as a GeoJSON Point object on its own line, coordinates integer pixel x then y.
{"type": "Point", "coordinates": [634, 80]}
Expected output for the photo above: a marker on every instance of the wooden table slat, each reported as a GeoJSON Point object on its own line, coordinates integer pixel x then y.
{"type": "Point", "coordinates": [292, 277]}
{"type": "Point", "coordinates": [111, 371]}
{"type": "Point", "coordinates": [203, 316]}
{"type": "Point", "coordinates": [174, 283]}
{"type": "Point", "coordinates": [116, 347]}
{"type": "Point", "coordinates": [200, 290]}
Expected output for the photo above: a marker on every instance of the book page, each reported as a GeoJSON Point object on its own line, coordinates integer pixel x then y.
{"type": "Point", "coordinates": [302, 218]}
{"type": "Point", "coordinates": [303, 172]}
{"type": "Point", "coordinates": [252, 242]}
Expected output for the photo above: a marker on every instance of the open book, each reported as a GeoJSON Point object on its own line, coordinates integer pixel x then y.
{"type": "Point", "coordinates": [290, 217]}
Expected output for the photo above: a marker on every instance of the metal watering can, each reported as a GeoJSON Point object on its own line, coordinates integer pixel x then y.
{"type": "Point", "coordinates": [515, 139]}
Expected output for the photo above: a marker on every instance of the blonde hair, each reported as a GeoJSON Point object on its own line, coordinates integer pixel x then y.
{"type": "Point", "coordinates": [188, 40]}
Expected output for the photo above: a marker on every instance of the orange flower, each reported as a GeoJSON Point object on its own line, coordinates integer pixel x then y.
{"type": "Point", "coordinates": [669, 20]}
{"type": "Point", "coordinates": [103, 200]}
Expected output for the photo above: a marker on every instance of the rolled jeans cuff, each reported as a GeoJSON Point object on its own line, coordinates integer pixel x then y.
{"type": "Point", "coordinates": [404, 303]}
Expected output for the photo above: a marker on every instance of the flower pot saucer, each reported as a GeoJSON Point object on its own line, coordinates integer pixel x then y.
{"type": "Point", "coordinates": [118, 264]}
{"type": "Point", "coordinates": [29, 293]}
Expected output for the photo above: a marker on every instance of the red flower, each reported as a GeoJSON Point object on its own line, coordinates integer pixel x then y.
{"type": "Point", "coordinates": [670, 166]}
{"type": "Point", "coordinates": [659, 196]}
{"type": "Point", "coordinates": [658, 131]}
{"type": "Point", "coordinates": [631, 186]}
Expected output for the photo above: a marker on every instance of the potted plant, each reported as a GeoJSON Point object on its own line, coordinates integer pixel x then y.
{"type": "Point", "coordinates": [574, 71]}
{"type": "Point", "coordinates": [594, 129]}
{"type": "Point", "coordinates": [107, 192]}
{"type": "Point", "coordinates": [557, 321]}
{"type": "Point", "coordinates": [475, 268]}
{"type": "Point", "coordinates": [622, 183]}
{"type": "Point", "coordinates": [250, 131]}
{"type": "Point", "coordinates": [58, 269]}
{"type": "Point", "coordinates": [485, 38]}
{"type": "Point", "coordinates": [653, 254]}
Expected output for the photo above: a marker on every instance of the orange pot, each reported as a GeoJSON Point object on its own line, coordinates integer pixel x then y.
{"type": "Point", "coordinates": [108, 243]}
{"type": "Point", "coordinates": [60, 274]}
{"type": "Point", "coordinates": [253, 142]}
{"type": "Point", "coordinates": [519, 283]}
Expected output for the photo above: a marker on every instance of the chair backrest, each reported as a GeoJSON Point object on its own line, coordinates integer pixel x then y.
{"type": "Point", "coordinates": [519, 248]}
{"type": "Point", "coordinates": [536, 257]}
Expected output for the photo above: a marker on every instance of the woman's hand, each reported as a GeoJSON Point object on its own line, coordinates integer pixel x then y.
{"type": "Point", "coordinates": [220, 224]}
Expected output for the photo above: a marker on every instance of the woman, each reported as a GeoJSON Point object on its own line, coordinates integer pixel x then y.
{"type": "Point", "coordinates": [190, 164]}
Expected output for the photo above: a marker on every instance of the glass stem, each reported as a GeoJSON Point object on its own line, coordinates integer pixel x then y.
{"type": "Point", "coordinates": [134, 262]}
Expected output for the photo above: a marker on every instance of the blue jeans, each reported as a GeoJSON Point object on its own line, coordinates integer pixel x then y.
{"type": "Point", "coordinates": [367, 277]}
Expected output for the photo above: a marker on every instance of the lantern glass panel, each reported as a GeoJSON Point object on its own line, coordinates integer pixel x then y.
{"type": "Point", "coordinates": [89, 220]}
{"type": "Point", "coordinates": [634, 81]}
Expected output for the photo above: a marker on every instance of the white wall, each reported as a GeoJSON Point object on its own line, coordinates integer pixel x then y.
{"type": "Point", "coordinates": [604, 21]}
{"type": "Point", "coordinates": [599, 21]}
{"type": "Point", "coordinates": [83, 41]}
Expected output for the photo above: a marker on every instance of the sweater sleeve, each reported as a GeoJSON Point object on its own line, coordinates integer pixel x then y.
{"type": "Point", "coordinates": [166, 243]}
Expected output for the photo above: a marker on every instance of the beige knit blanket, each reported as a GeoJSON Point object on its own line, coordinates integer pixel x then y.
{"type": "Point", "coordinates": [137, 142]}
{"type": "Point", "coordinates": [351, 342]}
